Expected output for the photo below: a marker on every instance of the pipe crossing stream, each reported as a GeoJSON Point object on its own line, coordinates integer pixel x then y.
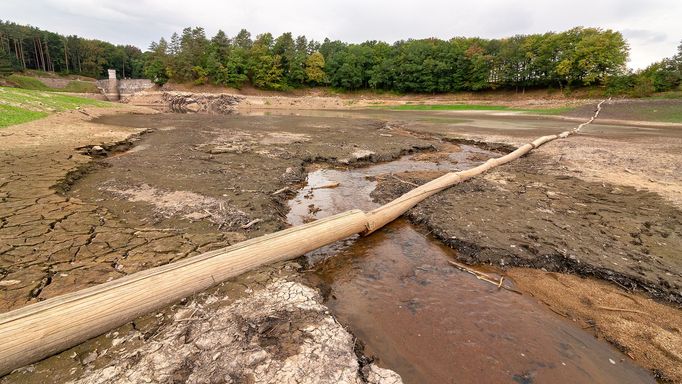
{"type": "Point", "coordinates": [428, 321]}
{"type": "Point", "coordinates": [394, 290]}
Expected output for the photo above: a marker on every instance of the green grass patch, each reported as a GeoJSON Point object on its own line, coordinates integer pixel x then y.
{"type": "Point", "coordinates": [27, 82]}
{"type": "Point", "coordinates": [10, 115]}
{"type": "Point", "coordinates": [474, 107]}
{"type": "Point", "coordinates": [447, 107]}
{"type": "Point", "coordinates": [667, 95]}
{"type": "Point", "coordinates": [548, 111]}
{"type": "Point", "coordinates": [662, 113]}
{"type": "Point", "coordinates": [76, 86]}
{"type": "Point", "coordinates": [32, 83]}
{"type": "Point", "coordinates": [44, 101]}
{"type": "Point", "coordinates": [22, 105]}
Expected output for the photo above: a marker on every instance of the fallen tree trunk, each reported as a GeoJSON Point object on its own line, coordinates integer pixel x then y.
{"type": "Point", "coordinates": [40, 330]}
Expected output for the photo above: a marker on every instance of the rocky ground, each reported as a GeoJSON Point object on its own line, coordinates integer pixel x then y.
{"type": "Point", "coordinates": [76, 211]}
{"type": "Point", "coordinates": [265, 326]}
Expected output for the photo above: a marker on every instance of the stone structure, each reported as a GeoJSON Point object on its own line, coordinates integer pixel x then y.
{"type": "Point", "coordinates": [114, 88]}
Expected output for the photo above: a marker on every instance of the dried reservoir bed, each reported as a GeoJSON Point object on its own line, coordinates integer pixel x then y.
{"type": "Point", "coordinates": [198, 182]}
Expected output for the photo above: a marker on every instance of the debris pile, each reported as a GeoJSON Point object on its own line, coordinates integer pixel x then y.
{"type": "Point", "coordinates": [200, 103]}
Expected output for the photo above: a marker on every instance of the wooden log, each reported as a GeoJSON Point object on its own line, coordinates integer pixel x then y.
{"type": "Point", "coordinates": [391, 211]}
{"type": "Point", "coordinates": [40, 330]}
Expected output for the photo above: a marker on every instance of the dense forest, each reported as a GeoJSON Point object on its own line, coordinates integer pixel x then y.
{"type": "Point", "coordinates": [580, 56]}
{"type": "Point", "coordinates": [569, 59]}
{"type": "Point", "coordinates": [24, 47]}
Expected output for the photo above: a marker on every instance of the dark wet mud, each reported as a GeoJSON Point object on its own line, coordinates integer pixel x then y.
{"type": "Point", "coordinates": [208, 173]}
{"type": "Point", "coordinates": [428, 321]}
{"type": "Point", "coordinates": [522, 216]}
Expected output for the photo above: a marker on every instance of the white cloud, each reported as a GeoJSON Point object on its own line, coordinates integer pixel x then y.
{"type": "Point", "coordinates": [652, 27]}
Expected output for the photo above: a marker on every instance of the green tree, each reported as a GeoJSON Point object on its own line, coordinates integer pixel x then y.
{"type": "Point", "coordinates": [243, 40]}
{"type": "Point", "coordinates": [314, 69]}
{"type": "Point", "coordinates": [155, 67]}
{"type": "Point", "coordinates": [264, 66]}
{"type": "Point", "coordinates": [588, 55]}
{"type": "Point", "coordinates": [5, 64]}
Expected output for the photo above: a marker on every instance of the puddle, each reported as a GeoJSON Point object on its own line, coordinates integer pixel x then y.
{"type": "Point", "coordinates": [355, 184]}
{"type": "Point", "coordinates": [430, 322]}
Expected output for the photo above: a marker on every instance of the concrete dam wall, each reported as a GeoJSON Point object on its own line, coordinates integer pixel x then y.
{"type": "Point", "coordinates": [114, 88]}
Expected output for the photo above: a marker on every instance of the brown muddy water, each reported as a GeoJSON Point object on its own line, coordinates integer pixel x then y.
{"type": "Point", "coordinates": [433, 323]}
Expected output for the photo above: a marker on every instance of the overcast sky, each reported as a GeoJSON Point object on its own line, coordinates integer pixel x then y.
{"type": "Point", "coordinates": [652, 27]}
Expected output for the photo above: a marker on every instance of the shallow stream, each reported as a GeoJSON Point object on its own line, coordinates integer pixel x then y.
{"type": "Point", "coordinates": [430, 322]}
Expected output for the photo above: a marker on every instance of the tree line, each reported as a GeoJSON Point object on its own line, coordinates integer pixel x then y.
{"type": "Point", "coordinates": [25, 47]}
{"type": "Point", "coordinates": [574, 58]}
{"type": "Point", "coordinates": [662, 76]}
{"type": "Point", "coordinates": [577, 57]}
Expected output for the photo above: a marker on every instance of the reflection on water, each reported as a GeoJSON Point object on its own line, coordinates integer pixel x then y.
{"type": "Point", "coordinates": [430, 322]}
{"type": "Point", "coordinates": [355, 184]}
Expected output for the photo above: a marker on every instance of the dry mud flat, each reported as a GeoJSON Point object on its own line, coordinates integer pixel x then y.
{"type": "Point", "coordinates": [193, 184]}
{"type": "Point", "coordinates": [199, 182]}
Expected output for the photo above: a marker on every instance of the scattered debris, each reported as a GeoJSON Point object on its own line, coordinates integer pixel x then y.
{"type": "Point", "coordinates": [327, 186]}
{"type": "Point", "coordinates": [251, 223]}
{"type": "Point", "coordinates": [484, 276]}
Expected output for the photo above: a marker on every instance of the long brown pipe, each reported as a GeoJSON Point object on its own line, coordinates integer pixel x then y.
{"type": "Point", "coordinates": [39, 330]}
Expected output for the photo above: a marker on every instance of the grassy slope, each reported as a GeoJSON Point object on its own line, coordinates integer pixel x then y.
{"type": "Point", "coordinates": [28, 82]}
{"type": "Point", "coordinates": [475, 107]}
{"type": "Point", "coordinates": [669, 114]}
{"type": "Point", "coordinates": [12, 115]}
{"type": "Point", "coordinates": [22, 105]}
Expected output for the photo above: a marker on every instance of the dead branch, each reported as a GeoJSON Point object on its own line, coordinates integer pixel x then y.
{"type": "Point", "coordinates": [483, 276]}
{"type": "Point", "coordinates": [327, 186]}
{"type": "Point", "coordinates": [404, 181]}
{"type": "Point", "coordinates": [620, 310]}
{"type": "Point", "coordinates": [277, 192]}
{"type": "Point", "coordinates": [250, 223]}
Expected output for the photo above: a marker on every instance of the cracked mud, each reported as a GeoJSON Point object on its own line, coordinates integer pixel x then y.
{"type": "Point", "coordinates": [200, 182]}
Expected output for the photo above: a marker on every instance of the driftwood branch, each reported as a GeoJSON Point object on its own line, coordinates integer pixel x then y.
{"type": "Point", "coordinates": [251, 223]}
{"type": "Point", "coordinates": [483, 276]}
{"type": "Point", "coordinates": [621, 310]}
{"type": "Point", "coordinates": [404, 181]}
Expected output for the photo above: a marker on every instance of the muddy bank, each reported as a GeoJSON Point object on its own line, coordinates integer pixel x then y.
{"type": "Point", "coordinates": [645, 330]}
{"type": "Point", "coordinates": [203, 173]}
{"type": "Point", "coordinates": [52, 244]}
{"type": "Point", "coordinates": [322, 98]}
{"type": "Point", "coordinates": [524, 216]}
{"type": "Point", "coordinates": [521, 216]}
